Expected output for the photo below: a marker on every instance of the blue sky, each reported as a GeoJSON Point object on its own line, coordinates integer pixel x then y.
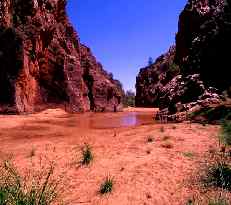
{"type": "Point", "coordinates": [123, 34]}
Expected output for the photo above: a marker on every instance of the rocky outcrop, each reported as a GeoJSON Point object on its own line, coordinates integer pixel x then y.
{"type": "Point", "coordinates": [201, 56]}
{"type": "Point", "coordinates": [152, 79]}
{"type": "Point", "coordinates": [185, 95]}
{"type": "Point", "coordinates": [182, 93]}
{"type": "Point", "coordinates": [203, 41]}
{"type": "Point", "coordinates": [104, 93]}
{"type": "Point", "coordinates": [44, 64]}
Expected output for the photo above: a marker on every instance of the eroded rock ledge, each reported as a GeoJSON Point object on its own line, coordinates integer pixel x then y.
{"type": "Point", "coordinates": [43, 64]}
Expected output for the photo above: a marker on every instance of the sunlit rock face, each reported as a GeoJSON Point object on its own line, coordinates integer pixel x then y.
{"type": "Point", "coordinates": [199, 65]}
{"type": "Point", "coordinates": [43, 64]}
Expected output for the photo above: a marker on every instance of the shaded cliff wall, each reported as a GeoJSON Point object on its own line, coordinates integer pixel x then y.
{"type": "Point", "coordinates": [43, 63]}
{"type": "Point", "coordinates": [200, 60]}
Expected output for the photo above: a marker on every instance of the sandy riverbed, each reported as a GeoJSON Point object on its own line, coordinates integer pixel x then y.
{"type": "Point", "coordinates": [144, 173]}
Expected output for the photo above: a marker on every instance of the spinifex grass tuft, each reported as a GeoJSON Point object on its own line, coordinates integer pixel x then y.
{"type": "Point", "coordinates": [150, 139]}
{"type": "Point", "coordinates": [188, 154]}
{"type": "Point", "coordinates": [87, 156]}
{"type": "Point", "coordinates": [32, 152]}
{"type": "Point", "coordinates": [219, 201]}
{"type": "Point", "coordinates": [226, 133]}
{"type": "Point", "coordinates": [218, 175]}
{"type": "Point", "coordinates": [167, 145]}
{"type": "Point", "coordinates": [107, 186]}
{"type": "Point", "coordinates": [16, 189]}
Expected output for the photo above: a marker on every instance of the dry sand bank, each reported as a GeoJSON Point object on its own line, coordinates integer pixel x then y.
{"type": "Point", "coordinates": [144, 173]}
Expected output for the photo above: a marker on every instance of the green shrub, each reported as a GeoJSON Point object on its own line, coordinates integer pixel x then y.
{"type": "Point", "coordinates": [226, 133]}
{"type": "Point", "coordinates": [205, 112]}
{"type": "Point", "coordinates": [218, 175]}
{"type": "Point", "coordinates": [129, 99]}
{"type": "Point", "coordinates": [150, 61]}
{"type": "Point", "coordinates": [16, 190]}
{"type": "Point", "coordinates": [188, 154]}
{"type": "Point", "coordinates": [219, 201]}
{"type": "Point", "coordinates": [32, 55]}
{"type": "Point", "coordinates": [207, 200]}
{"type": "Point", "coordinates": [3, 196]}
{"type": "Point", "coordinates": [210, 114]}
{"type": "Point", "coordinates": [190, 202]}
{"type": "Point", "coordinates": [16, 19]}
{"type": "Point", "coordinates": [106, 186]}
{"type": "Point", "coordinates": [174, 69]}
{"type": "Point", "coordinates": [87, 155]}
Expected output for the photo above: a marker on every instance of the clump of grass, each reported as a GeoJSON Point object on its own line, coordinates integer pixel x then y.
{"type": "Point", "coordinates": [87, 155]}
{"type": "Point", "coordinates": [15, 189]}
{"type": "Point", "coordinates": [218, 175]}
{"type": "Point", "coordinates": [167, 145]}
{"type": "Point", "coordinates": [165, 138]}
{"type": "Point", "coordinates": [188, 154]}
{"type": "Point", "coordinates": [32, 152]}
{"type": "Point", "coordinates": [107, 186]}
{"type": "Point", "coordinates": [210, 114]}
{"type": "Point", "coordinates": [148, 151]}
{"type": "Point", "coordinates": [190, 202]}
{"type": "Point", "coordinates": [148, 196]}
{"type": "Point", "coordinates": [208, 200]}
{"type": "Point", "coordinates": [162, 129]}
{"type": "Point", "coordinates": [174, 127]}
{"type": "Point", "coordinates": [212, 150]}
{"type": "Point", "coordinates": [204, 124]}
{"type": "Point", "coordinates": [150, 139]}
{"type": "Point", "coordinates": [219, 201]}
{"type": "Point", "coordinates": [225, 136]}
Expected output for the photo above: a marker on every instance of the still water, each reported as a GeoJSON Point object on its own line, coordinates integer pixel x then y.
{"type": "Point", "coordinates": [112, 120]}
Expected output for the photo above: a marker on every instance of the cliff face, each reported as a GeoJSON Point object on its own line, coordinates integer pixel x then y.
{"type": "Point", "coordinates": [203, 41]}
{"type": "Point", "coordinates": [44, 64]}
{"type": "Point", "coordinates": [153, 78]}
{"type": "Point", "coordinates": [202, 58]}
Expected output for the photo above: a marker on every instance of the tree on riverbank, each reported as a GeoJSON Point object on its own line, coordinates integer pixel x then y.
{"type": "Point", "coordinates": [129, 99]}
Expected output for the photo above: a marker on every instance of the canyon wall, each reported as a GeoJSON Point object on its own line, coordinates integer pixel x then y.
{"type": "Point", "coordinates": [199, 65]}
{"type": "Point", "coordinates": [151, 80]}
{"type": "Point", "coordinates": [43, 64]}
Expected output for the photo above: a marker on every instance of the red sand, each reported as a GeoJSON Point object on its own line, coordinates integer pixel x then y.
{"type": "Point", "coordinates": [144, 173]}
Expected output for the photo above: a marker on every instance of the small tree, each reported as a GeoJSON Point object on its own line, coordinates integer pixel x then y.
{"type": "Point", "coordinates": [129, 99]}
{"type": "Point", "coordinates": [150, 61]}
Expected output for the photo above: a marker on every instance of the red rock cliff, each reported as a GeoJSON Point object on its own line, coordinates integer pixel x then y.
{"type": "Point", "coordinates": [199, 65]}
{"type": "Point", "coordinates": [203, 41]}
{"type": "Point", "coordinates": [44, 64]}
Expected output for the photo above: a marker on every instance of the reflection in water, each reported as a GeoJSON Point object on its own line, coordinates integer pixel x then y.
{"type": "Point", "coordinates": [129, 120]}
{"type": "Point", "coordinates": [111, 120]}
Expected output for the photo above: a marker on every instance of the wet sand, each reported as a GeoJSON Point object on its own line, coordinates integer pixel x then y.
{"type": "Point", "coordinates": [144, 173]}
